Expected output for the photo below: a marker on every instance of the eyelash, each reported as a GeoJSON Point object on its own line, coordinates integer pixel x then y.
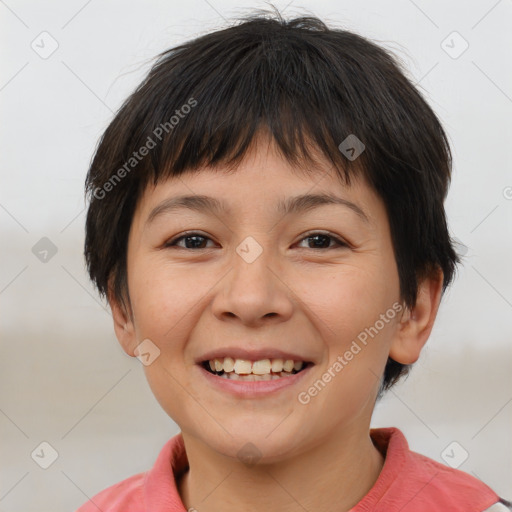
{"type": "Point", "coordinates": [340, 243]}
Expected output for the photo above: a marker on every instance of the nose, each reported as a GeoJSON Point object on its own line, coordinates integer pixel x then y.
{"type": "Point", "coordinates": [254, 290]}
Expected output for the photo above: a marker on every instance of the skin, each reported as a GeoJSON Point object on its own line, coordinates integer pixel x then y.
{"type": "Point", "coordinates": [298, 296]}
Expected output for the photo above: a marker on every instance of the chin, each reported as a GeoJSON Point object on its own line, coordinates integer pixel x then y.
{"type": "Point", "coordinates": [252, 444]}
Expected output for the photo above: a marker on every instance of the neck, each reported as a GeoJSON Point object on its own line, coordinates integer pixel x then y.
{"type": "Point", "coordinates": [340, 471]}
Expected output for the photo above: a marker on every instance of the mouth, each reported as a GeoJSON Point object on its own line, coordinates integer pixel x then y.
{"type": "Point", "coordinates": [251, 371]}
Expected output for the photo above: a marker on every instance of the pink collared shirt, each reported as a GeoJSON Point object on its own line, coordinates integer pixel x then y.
{"type": "Point", "coordinates": [408, 482]}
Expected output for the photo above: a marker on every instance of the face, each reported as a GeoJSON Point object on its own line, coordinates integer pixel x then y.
{"type": "Point", "coordinates": [307, 283]}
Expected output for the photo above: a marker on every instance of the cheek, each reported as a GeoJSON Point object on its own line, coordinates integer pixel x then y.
{"type": "Point", "coordinates": [167, 302]}
{"type": "Point", "coordinates": [347, 299]}
{"type": "Point", "coordinates": [347, 308]}
{"type": "Point", "coordinates": [161, 294]}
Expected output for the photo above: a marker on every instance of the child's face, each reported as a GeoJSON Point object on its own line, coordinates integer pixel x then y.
{"type": "Point", "coordinates": [297, 296]}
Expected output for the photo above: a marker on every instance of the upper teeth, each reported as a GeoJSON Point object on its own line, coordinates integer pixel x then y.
{"type": "Point", "coordinates": [261, 367]}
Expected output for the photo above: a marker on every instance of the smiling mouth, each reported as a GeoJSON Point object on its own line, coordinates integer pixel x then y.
{"type": "Point", "coordinates": [263, 370]}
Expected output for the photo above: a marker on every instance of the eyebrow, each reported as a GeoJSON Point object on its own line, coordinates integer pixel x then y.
{"type": "Point", "coordinates": [291, 205]}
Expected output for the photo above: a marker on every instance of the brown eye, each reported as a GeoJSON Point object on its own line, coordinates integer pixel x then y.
{"type": "Point", "coordinates": [192, 241]}
{"type": "Point", "coordinates": [322, 241]}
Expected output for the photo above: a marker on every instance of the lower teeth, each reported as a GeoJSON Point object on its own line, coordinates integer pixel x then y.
{"type": "Point", "coordinates": [252, 377]}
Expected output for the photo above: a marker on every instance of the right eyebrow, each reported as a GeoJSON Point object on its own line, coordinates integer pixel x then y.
{"type": "Point", "coordinates": [199, 203]}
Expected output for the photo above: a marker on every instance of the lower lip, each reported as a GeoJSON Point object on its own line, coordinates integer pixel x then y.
{"type": "Point", "coordinates": [253, 389]}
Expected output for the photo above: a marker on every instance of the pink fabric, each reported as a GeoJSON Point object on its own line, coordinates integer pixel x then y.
{"type": "Point", "coordinates": [408, 482]}
{"type": "Point", "coordinates": [411, 482]}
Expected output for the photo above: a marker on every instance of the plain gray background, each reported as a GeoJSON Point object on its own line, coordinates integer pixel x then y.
{"type": "Point", "coordinates": [65, 379]}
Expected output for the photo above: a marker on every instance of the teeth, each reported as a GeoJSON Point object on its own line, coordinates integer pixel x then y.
{"type": "Point", "coordinates": [277, 365]}
{"type": "Point", "coordinates": [241, 366]}
{"type": "Point", "coordinates": [251, 377]}
{"type": "Point", "coordinates": [229, 364]}
{"type": "Point", "coordinates": [265, 368]}
{"type": "Point", "coordinates": [248, 378]}
{"type": "Point", "coordinates": [288, 365]}
{"type": "Point", "coordinates": [266, 376]}
{"type": "Point", "coordinates": [261, 367]}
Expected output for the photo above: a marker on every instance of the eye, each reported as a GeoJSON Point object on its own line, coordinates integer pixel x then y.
{"type": "Point", "coordinates": [323, 238]}
{"type": "Point", "coordinates": [197, 241]}
{"type": "Point", "coordinates": [194, 236]}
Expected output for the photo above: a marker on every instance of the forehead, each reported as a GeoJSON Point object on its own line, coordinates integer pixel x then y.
{"type": "Point", "coordinates": [264, 181]}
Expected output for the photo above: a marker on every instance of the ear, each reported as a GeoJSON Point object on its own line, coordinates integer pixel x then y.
{"type": "Point", "coordinates": [417, 322]}
{"type": "Point", "coordinates": [123, 324]}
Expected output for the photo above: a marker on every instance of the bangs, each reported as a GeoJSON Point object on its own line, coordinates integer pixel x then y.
{"type": "Point", "coordinates": [202, 105]}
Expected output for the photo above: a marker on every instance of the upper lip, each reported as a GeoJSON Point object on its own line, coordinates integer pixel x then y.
{"type": "Point", "coordinates": [250, 354]}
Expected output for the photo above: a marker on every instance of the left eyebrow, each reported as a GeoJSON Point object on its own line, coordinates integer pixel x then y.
{"type": "Point", "coordinates": [291, 205]}
{"type": "Point", "coordinates": [304, 202]}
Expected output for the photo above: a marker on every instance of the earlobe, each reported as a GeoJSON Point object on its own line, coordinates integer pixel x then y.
{"type": "Point", "coordinates": [417, 322]}
{"type": "Point", "coordinates": [123, 325]}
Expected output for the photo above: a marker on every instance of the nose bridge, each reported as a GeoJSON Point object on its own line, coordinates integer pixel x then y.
{"type": "Point", "coordinates": [252, 289]}
{"type": "Point", "coordinates": [251, 262]}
